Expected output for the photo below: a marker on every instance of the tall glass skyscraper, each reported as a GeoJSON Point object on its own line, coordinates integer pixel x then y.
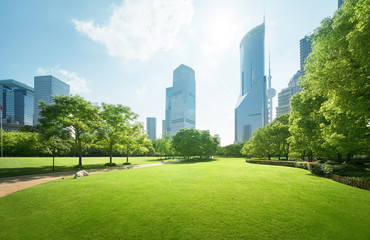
{"type": "Point", "coordinates": [251, 108]}
{"type": "Point", "coordinates": [305, 48]}
{"type": "Point", "coordinates": [17, 100]}
{"type": "Point", "coordinates": [45, 88]}
{"type": "Point", "coordinates": [151, 127]}
{"type": "Point", "coordinates": [180, 100]}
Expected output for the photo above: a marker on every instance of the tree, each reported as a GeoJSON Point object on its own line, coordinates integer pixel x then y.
{"type": "Point", "coordinates": [135, 140]}
{"type": "Point", "coordinates": [191, 142]}
{"type": "Point", "coordinates": [337, 71]}
{"type": "Point", "coordinates": [305, 120]}
{"type": "Point", "coordinates": [279, 134]}
{"type": "Point", "coordinates": [21, 144]}
{"type": "Point", "coordinates": [116, 119]}
{"type": "Point", "coordinates": [73, 114]}
{"type": "Point", "coordinates": [261, 144]}
{"type": "Point", "coordinates": [232, 150]}
{"type": "Point", "coordinates": [163, 146]}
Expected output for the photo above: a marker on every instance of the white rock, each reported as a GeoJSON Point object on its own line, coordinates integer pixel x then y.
{"type": "Point", "coordinates": [81, 173]}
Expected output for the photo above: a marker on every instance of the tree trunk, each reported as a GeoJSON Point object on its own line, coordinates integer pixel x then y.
{"type": "Point", "coordinates": [110, 154]}
{"type": "Point", "coordinates": [80, 154]}
{"type": "Point", "coordinates": [53, 158]}
{"type": "Point", "coordinates": [339, 157]}
{"type": "Point", "coordinates": [127, 152]}
{"type": "Point", "coordinates": [348, 158]}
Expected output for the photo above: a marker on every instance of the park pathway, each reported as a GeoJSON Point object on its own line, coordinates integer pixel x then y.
{"type": "Point", "coordinates": [9, 185]}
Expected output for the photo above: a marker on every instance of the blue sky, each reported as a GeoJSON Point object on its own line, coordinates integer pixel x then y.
{"type": "Point", "coordinates": [125, 51]}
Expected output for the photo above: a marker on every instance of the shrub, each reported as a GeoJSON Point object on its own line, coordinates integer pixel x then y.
{"type": "Point", "coordinates": [352, 181]}
{"type": "Point", "coordinates": [331, 162]}
{"type": "Point", "coordinates": [303, 165]}
{"type": "Point", "coordinates": [110, 164]}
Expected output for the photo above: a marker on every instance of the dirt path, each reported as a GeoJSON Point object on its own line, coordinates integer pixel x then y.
{"type": "Point", "coordinates": [9, 185]}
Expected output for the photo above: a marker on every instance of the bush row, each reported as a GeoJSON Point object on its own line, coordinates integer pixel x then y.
{"type": "Point", "coordinates": [348, 174]}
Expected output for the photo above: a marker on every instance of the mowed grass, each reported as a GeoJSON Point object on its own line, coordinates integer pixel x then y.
{"type": "Point", "coordinates": [17, 166]}
{"type": "Point", "coordinates": [219, 199]}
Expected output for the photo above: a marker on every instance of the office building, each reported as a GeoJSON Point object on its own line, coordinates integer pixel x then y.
{"type": "Point", "coordinates": [151, 128]}
{"type": "Point", "coordinates": [305, 48]}
{"type": "Point", "coordinates": [17, 101]}
{"type": "Point", "coordinates": [285, 95]}
{"type": "Point", "coordinates": [251, 108]}
{"type": "Point", "coordinates": [180, 100]}
{"type": "Point", "coordinates": [45, 88]}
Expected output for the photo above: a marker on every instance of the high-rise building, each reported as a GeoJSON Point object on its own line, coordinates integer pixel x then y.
{"type": "Point", "coordinates": [17, 100]}
{"type": "Point", "coordinates": [180, 100]}
{"type": "Point", "coordinates": [305, 48]}
{"type": "Point", "coordinates": [251, 108]}
{"type": "Point", "coordinates": [285, 94]}
{"type": "Point", "coordinates": [151, 127]}
{"type": "Point", "coordinates": [45, 88]}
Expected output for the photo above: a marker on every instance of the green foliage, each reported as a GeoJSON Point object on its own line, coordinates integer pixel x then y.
{"type": "Point", "coordinates": [70, 114]}
{"type": "Point", "coordinates": [115, 123]}
{"type": "Point", "coordinates": [21, 144]}
{"type": "Point", "coordinates": [135, 141]}
{"type": "Point", "coordinates": [192, 142]}
{"type": "Point", "coordinates": [269, 141]}
{"type": "Point", "coordinates": [232, 150]}
{"type": "Point", "coordinates": [330, 117]}
{"type": "Point", "coordinates": [163, 146]}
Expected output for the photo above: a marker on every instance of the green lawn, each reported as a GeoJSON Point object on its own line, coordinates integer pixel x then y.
{"type": "Point", "coordinates": [219, 199]}
{"type": "Point", "coordinates": [16, 166]}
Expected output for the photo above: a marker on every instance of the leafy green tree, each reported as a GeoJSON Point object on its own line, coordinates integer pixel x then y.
{"type": "Point", "coordinates": [115, 120]}
{"type": "Point", "coordinates": [163, 146]}
{"type": "Point", "coordinates": [261, 144]}
{"type": "Point", "coordinates": [337, 71]}
{"type": "Point", "coordinates": [191, 142]}
{"type": "Point", "coordinates": [135, 140]}
{"type": "Point", "coordinates": [73, 114]}
{"type": "Point", "coordinates": [233, 150]}
{"type": "Point", "coordinates": [21, 144]}
{"type": "Point", "coordinates": [279, 133]}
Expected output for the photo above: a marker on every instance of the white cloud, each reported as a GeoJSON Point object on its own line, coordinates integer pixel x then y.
{"type": "Point", "coordinates": [77, 83]}
{"type": "Point", "coordinates": [139, 28]}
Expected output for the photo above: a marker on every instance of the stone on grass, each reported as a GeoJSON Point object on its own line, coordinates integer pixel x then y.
{"type": "Point", "coordinates": [81, 173]}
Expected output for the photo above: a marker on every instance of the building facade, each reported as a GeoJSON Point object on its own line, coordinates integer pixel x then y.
{"type": "Point", "coordinates": [180, 100]}
{"type": "Point", "coordinates": [251, 108]}
{"type": "Point", "coordinates": [45, 88]}
{"type": "Point", "coordinates": [151, 128]}
{"type": "Point", "coordinates": [17, 100]}
{"type": "Point", "coordinates": [305, 48]}
{"type": "Point", "coordinates": [285, 94]}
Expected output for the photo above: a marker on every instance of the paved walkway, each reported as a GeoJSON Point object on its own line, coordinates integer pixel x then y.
{"type": "Point", "coordinates": [9, 185]}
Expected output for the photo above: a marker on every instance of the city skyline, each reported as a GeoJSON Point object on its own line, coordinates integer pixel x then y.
{"type": "Point", "coordinates": [73, 45]}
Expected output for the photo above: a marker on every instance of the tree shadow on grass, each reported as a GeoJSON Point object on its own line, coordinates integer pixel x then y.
{"type": "Point", "coordinates": [196, 160]}
{"type": "Point", "coordinates": [31, 171]}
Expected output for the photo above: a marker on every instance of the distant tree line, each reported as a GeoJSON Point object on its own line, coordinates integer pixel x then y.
{"type": "Point", "coordinates": [330, 117]}
{"type": "Point", "coordinates": [72, 126]}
